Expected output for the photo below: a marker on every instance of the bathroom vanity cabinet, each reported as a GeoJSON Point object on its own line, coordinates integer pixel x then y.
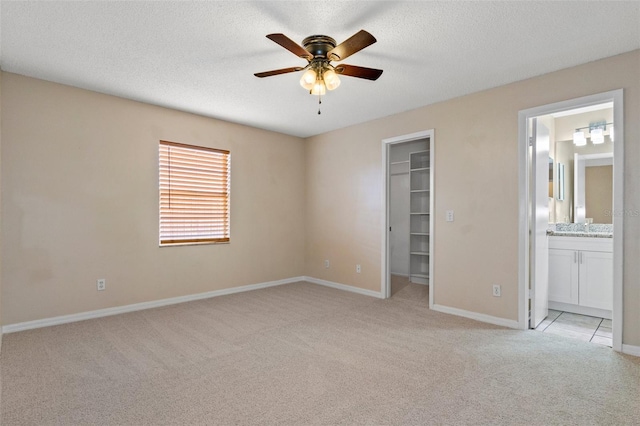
{"type": "Point", "coordinates": [581, 275]}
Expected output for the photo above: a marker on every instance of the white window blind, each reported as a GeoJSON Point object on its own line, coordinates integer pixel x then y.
{"type": "Point", "coordinates": [194, 194]}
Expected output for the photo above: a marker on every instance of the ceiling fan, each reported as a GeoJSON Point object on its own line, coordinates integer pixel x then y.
{"type": "Point", "coordinates": [320, 51]}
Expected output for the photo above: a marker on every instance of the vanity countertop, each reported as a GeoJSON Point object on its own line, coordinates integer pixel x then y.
{"type": "Point", "coordinates": [579, 234]}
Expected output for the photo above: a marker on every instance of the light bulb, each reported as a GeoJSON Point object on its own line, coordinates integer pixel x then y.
{"type": "Point", "coordinates": [331, 79]}
{"type": "Point", "coordinates": [308, 79]}
{"type": "Point", "coordinates": [597, 136]}
{"type": "Point", "coordinates": [319, 88]}
{"type": "Point", "coordinates": [579, 139]}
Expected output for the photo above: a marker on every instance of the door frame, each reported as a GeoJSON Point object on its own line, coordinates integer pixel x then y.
{"type": "Point", "coordinates": [617, 97]}
{"type": "Point", "coordinates": [385, 279]}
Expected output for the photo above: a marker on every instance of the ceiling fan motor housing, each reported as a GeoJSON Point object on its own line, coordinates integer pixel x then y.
{"type": "Point", "coordinates": [319, 45]}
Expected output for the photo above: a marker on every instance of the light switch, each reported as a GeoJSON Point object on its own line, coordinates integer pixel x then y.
{"type": "Point", "coordinates": [449, 216]}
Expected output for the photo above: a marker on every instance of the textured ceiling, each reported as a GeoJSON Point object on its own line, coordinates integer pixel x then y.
{"type": "Point", "coordinates": [200, 56]}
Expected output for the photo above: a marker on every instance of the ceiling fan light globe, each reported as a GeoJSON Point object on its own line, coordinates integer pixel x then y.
{"type": "Point", "coordinates": [331, 79]}
{"type": "Point", "coordinates": [308, 79]}
{"type": "Point", "coordinates": [319, 88]}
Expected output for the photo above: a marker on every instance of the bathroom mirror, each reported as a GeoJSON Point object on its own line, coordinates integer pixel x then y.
{"type": "Point", "coordinates": [593, 187]}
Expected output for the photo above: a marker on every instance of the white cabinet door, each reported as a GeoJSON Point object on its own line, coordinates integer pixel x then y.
{"type": "Point", "coordinates": [596, 279]}
{"type": "Point", "coordinates": [563, 276]}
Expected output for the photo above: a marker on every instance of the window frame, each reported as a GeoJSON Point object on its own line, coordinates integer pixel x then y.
{"type": "Point", "coordinates": [173, 239]}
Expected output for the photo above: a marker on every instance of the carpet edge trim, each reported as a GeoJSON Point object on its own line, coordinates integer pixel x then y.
{"type": "Point", "coordinates": [99, 313]}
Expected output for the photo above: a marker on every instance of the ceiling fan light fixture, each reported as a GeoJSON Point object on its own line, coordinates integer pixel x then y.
{"type": "Point", "coordinates": [308, 79]}
{"type": "Point", "coordinates": [319, 50]}
{"type": "Point", "coordinates": [331, 79]}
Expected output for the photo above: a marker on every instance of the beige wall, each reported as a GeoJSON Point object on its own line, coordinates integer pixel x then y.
{"type": "Point", "coordinates": [80, 202]}
{"type": "Point", "coordinates": [598, 182]}
{"type": "Point", "coordinates": [79, 179]}
{"type": "Point", "coordinates": [476, 175]}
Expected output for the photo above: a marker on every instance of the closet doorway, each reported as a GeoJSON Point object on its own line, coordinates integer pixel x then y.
{"type": "Point", "coordinates": [408, 199]}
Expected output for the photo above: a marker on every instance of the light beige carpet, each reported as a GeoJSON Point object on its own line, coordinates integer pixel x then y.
{"type": "Point", "coordinates": [398, 282]}
{"type": "Point", "coordinates": [303, 354]}
{"type": "Point", "coordinates": [402, 288]}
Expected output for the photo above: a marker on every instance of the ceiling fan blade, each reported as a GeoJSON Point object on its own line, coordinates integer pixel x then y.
{"type": "Point", "coordinates": [360, 72]}
{"type": "Point", "coordinates": [290, 45]}
{"type": "Point", "coordinates": [277, 72]}
{"type": "Point", "coordinates": [353, 44]}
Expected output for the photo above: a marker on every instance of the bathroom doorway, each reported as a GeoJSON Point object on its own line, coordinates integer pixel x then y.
{"type": "Point", "coordinates": [408, 230]}
{"type": "Point", "coordinates": [570, 266]}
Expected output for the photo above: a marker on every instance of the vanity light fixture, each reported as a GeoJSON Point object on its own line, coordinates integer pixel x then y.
{"type": "Point", "coordinates": [579, 139]}
{"type": "Point", "coordinates": [596, 133]}
{"type": "Point", "coordinates": [597, 136]}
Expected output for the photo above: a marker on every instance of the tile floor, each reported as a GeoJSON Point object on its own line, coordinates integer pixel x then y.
{"type": "Point", "coordinates": [588, 329]}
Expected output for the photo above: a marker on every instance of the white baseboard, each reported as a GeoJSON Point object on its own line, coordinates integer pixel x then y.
{"type": "Point", "coordinates": [631, 350]}
{"type": "Point", "coordinates": [64, 319]}
{"type": "Point", "coordinates": [344, 287]}
{"type": "Point", "coordinates": [476, 316]}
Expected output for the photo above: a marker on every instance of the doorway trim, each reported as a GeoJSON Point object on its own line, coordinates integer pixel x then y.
{"type": "Point", "coordinates": [615, 96]}
{"type": "Point", "coordinates": [385, 279]}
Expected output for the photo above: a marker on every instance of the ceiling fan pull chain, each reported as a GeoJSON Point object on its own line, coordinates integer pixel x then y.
{"type": "Point", "coordinates": [319, 103]}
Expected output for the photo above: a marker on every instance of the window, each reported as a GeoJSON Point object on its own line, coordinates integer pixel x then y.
{"type": "Point", "coordinates": [194, 194]}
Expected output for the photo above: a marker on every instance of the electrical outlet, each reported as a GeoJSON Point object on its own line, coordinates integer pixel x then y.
{"type": "Point", "coordinates": [497, 291]}
{"type": "Point", "coordinates": [326, 263]}
{"type": "Point", "coordinates": [449, 215]}
{"type": "Point", "coordinates": [358, 269]}
{"type": "Point", "coordinates": [101, 284]}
